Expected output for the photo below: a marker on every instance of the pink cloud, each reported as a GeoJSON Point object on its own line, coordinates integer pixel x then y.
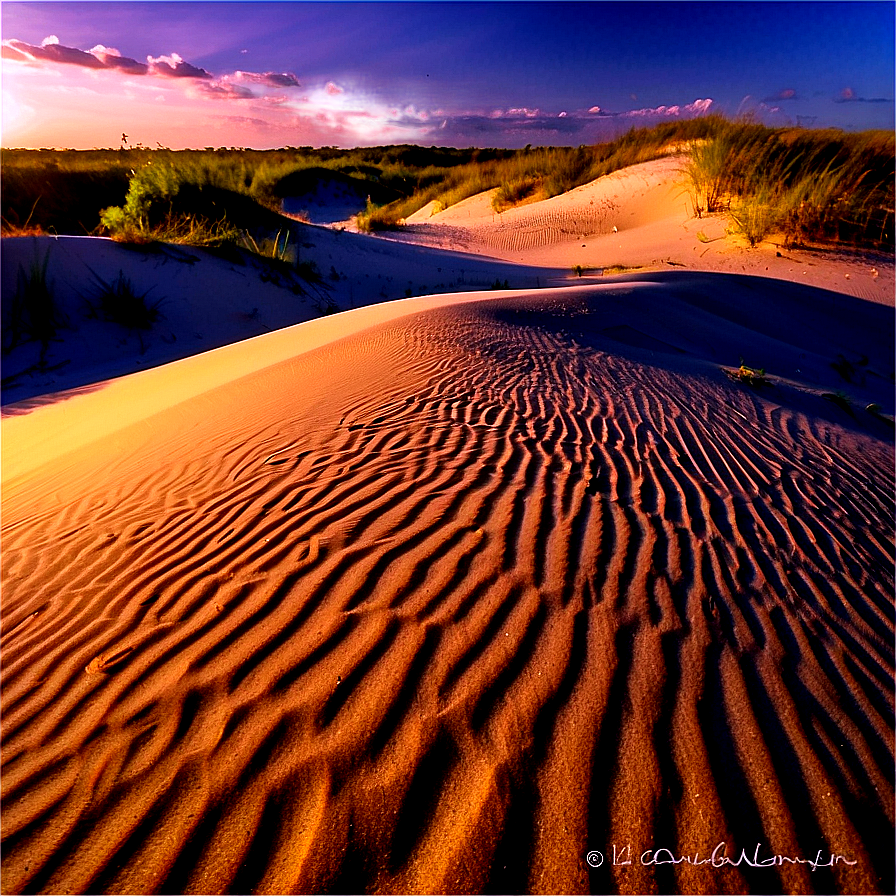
{"type": "Point", "coordinates": [174, 66]}
{"type": "Point", "coordinates": [100, 57]}
{"type": "Point", "coordinates": [268, 79]}
{"type": "Point", "coordinates": [52, 51]}
{"type": "Point", "coordinates": [224, 90]}
{"type": "Point", "coordinates": [848, 95]}
{"type": "Point", "coordinates": [111, 58]}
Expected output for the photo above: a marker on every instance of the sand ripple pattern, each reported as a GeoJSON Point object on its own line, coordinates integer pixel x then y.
{"type": "Point", "coordinates": [488, 598]}
{"type": "Point", "coordinates": [519, 229]}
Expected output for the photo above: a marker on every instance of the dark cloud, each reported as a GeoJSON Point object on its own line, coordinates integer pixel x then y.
{"type": "Point", "coordinates": [521, 126]}
{"type": "Point", "coordinates": [8, 51]}
{"type": "Point", "coordinates": [225, 91]}
{"type": "Point", "coordinates": [101, 57]}
{"type": "Point", "coordinates": [848, 95]}
{"type": "Point", "coordinates": [51, 51]}
{"type": "Point", "coordinates": [113, 59]}
{"type": "Point", "coordinates": [174, 67]}
{"type": "Point", "coordinates": [268, 79]}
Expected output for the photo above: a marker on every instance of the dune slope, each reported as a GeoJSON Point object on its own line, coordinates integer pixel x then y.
{"type": "Point", "coordinates": [446, 604]}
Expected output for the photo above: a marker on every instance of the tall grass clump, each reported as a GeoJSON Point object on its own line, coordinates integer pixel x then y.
{"type": "Point", "coordinates": [34, 314]}
{"type": "Point", "coordinates": [118, 301]}
{"type": "Point", "coordinates": [808, 186]}
{"type": "Point", "coordinates": [515, 191]}
{"type": "Point", "coordinates": [705, 172]}
{"type": "Point", "coordinates": [277, 248]}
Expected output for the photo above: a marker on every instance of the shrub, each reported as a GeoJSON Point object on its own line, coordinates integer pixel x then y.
{"type": "Point", "coordinates": [755, 217]}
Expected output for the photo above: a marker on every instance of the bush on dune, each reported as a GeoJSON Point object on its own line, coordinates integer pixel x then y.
{"type": "Point", "coordinates": [809, 186]}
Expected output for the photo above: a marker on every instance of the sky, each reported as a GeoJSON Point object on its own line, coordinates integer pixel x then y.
{"type": "Point", "coordinates": [503, 74]}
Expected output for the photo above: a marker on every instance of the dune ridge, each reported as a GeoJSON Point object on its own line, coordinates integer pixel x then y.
{"type": "Point", "coordinates": [445, 604]}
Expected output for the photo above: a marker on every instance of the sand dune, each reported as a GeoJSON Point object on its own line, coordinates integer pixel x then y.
{"type": "Point", "coordinates": [449, 602]}
{"type": "Point", "coordinates": [208, 299]}
{"type": "Point", "coordinates": [650, 209]}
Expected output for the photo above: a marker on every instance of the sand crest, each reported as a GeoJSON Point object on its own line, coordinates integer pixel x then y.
{"type": "Point", "coordinates": [454, 600]}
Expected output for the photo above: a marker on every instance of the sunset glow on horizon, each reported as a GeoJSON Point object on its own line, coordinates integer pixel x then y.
{"type": "Point", "coordinates": [265, 75]}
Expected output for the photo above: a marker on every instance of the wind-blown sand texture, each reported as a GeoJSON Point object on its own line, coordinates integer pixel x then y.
{"type": "Point", "coordinates": [443, 605]}
{"type": "Point", "coordinates": [207, 299]}
{"type": "Point", "coordinates": [652, 213]}
{"type": "Point", "coordinates": [446, 594]}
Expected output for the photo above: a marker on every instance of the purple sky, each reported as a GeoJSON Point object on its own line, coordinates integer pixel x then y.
{"type": "Point", "coordinates": [487, 74]}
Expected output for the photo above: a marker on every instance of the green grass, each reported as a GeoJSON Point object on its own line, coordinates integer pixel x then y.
{"type": "Point", "coordinates": [749, 376]}
{"type": "Point", "coordinates": [811, 186]}
{"type": "Point", "coordinates": [276, 248]}
{"type": "Point", "coordinates": [517, 191]}
{"type": "Point", "coordinates": [705, 173]}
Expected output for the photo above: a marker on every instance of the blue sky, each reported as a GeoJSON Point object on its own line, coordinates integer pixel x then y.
{"type": "Point", "coordinates": [490, 74]}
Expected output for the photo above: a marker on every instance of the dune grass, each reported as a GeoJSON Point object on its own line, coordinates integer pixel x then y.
{"type": "Point", "coordinates": [34, 314]}
{"type": "Point", "coordinates": [821, 186]}
{"type": "Point", "coordinates": [809, 185]}
{"type": "Point", "coordinates": [120, 302]}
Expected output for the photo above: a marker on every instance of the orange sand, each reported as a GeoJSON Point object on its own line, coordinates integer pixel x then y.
{"type": "Point", "coordinates": [443, 595]}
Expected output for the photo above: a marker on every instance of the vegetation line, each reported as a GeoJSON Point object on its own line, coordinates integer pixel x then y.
{"type": "Point", "coordinates": [812, 186]}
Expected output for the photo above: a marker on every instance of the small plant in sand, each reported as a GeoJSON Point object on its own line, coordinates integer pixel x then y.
{"type": "Point", "coordinates": [277, 248]}
{"type": "Point", "coordinates": [754, 217]}
{"type": "Point", "coordinates": [119, 302]}
{"type": "Point", "coordinates": [34, 314]}
{"type": "Point", "coordinates": [839, 398]}
{"type": "Point", "coordinates": [749, 376]}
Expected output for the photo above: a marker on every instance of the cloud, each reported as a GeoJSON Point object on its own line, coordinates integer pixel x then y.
{"type": "Point", "coordinates": [268, 79]}
{"type": "Point", "coordinates": [50, 51]}
{"type": "Point", "coordinates": [111, 58]}
{"type": "Point", "coordinates": [519, 126]}
{"type": "Point", "coordinates": [100, 57]}
{"type": "Point", "coordinates": [698, 107]}
{"type": "Point", "coordinates": [224, 90]}
{"type": "Point", "coordinates": [9, 50]}
{"type": "Point", "coordinates": [848, 95]}
{"type": "Point", "coordinates": [174, 66]}
{"type": "Point", "coordinates": [788, 93]}
{"type": "Point", "coordinates": [326, 112]}
{"type": "Point", "coordinates": [522, 112]}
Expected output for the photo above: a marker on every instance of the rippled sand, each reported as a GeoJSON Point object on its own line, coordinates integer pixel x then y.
{"type": "Point", "coordinates": [445, 604]}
